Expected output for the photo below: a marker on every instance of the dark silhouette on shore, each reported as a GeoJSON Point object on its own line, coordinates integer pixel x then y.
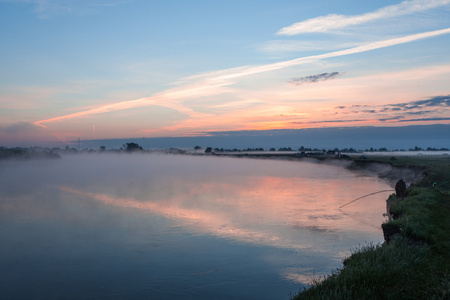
{"type": "Point", "coordinates": [400, 189]}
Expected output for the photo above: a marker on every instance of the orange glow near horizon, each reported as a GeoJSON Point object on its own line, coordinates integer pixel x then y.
{"type": "Point", "coordinates": [212, 102]}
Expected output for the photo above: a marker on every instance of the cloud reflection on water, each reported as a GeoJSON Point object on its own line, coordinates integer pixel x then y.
{"type": "Point", "coordinates": [207, 222]}
{"type": "Point", "coordinates": [293, 212]}
{"type": "Point", "coordinates": [186, 215]}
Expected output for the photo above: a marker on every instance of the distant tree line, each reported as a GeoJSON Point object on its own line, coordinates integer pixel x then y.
{"type": "Point", "coordinates": [306, 149]}
{"type": "Point", "coordinates": [416, 148]}
{"type": "Point", "coordinates": [41, 152]}
{"type": "Point", "coordinates": [281, 149]}
{"type": "Point", "coordinates": [27, 153]}
{"type": "Point", "coordinates": [210, 149]}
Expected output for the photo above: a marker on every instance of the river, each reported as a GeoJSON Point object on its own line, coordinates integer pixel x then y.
{"type": "Point", "coordinates": [148, 226]}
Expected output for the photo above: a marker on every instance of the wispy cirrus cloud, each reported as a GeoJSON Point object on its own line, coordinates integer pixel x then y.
{"type": "Point", "coordinates": [434, 102]}
{"type": "Point", "coordinates": [334, 21]}
{"type": "Point", "coordinates": [438, 101]}
{"type": "Point", "coordinates": [315, 78]}
{"type": "Point", "coordinates": [432, 109]}
{"type": "Point", "coordinates": [218, 82]}
{"type": "Point", "coordinates": [234, 73]}
{"type": "Point", "coordinates": [286, 46]}
{"type": "Point", "coordinates": [330, 121]}
{"type": "Point", "coordinates": [424, 120]}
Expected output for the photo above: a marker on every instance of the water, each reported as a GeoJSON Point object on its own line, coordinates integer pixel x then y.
{"type": "Point", "coordinates": [165, 227]}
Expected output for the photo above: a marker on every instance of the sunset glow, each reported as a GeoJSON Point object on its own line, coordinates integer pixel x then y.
{"type": "Point", "coordinates": [326, 64]}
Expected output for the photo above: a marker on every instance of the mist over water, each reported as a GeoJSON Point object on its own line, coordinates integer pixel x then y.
{"type": "Point", "coordinates": [154, 226]}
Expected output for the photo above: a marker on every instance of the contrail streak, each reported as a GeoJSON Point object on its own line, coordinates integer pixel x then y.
{"type": "Point", "coordinates": [213, 80]}
{"type": "Point", "coordinates": [333, 21]}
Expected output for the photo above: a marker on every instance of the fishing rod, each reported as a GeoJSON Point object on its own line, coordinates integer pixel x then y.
{"type": "Point", "coordinates": [383, 191]}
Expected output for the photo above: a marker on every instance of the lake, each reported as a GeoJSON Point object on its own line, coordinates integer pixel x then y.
{"type": "Point", "coordinates": [149, 226]}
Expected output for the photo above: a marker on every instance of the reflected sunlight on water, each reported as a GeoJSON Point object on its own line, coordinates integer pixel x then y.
{"type": "Point", "coordinates": [182, 225]}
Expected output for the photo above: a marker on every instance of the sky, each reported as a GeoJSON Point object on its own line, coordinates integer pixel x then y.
{"type": "Point", "coordinates": [103, 69]}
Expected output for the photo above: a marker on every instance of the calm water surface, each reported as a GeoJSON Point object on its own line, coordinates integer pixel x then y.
{"type": "Point", "coordinates": [171, 227]}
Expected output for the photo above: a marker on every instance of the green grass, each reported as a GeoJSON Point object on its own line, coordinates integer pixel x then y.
{"type": "Point", "coordinates": [416, 263]}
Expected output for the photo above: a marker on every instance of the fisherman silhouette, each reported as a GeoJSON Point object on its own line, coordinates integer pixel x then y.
{"type": "Point", "coordinates": [400, 189]}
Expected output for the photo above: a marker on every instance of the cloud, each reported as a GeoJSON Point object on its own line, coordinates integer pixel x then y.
{"type": "Point", "coordinates": [333, 21]}
{"type": "Point", "coordinates": [391, 118]}
{"type": "Point", "coordinates": [432, 109]}
{"type": "Point", "coordinates": [438, 101]}
{"type": "Point", "coordinates": [315, 78]}
{"type": "Point", "coordinates": [14, 134]}
{"type": "Point", "coordinates": [422, 112]}
{"type": "Point", "coordinates": [329, 121]}
{"type": "Point", "coordinates": [424, 120]}
{"type": "Point", "coordinates": [411, 107]}
{"type": "Point", "coordinates": [435, 101]}
{"type": "Point", "coordinates": [214, 83]}
{"type": "Point", "coordinates": [285, 46]}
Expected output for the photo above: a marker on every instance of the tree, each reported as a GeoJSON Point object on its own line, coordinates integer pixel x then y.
{"type": "Point", "coordinates": [285, 149]}
{"type": "Point", "coordinates": [131, 147]}
{"type": "Point", "coordinates": [208, 150]}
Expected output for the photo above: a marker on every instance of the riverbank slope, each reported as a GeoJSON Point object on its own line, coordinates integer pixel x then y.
{"type": "Point", "coordinates": [414, 262]}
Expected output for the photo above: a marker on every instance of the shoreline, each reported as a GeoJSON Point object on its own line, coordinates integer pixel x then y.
{"type": "Point", "coordinates": [414, 260]}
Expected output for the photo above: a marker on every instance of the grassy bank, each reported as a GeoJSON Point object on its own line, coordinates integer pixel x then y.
{"type": "Point", "coordinates": [415, 263]}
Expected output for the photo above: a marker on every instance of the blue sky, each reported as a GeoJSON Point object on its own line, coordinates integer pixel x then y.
{"type": "Point", "coordinates": [132, 68]}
